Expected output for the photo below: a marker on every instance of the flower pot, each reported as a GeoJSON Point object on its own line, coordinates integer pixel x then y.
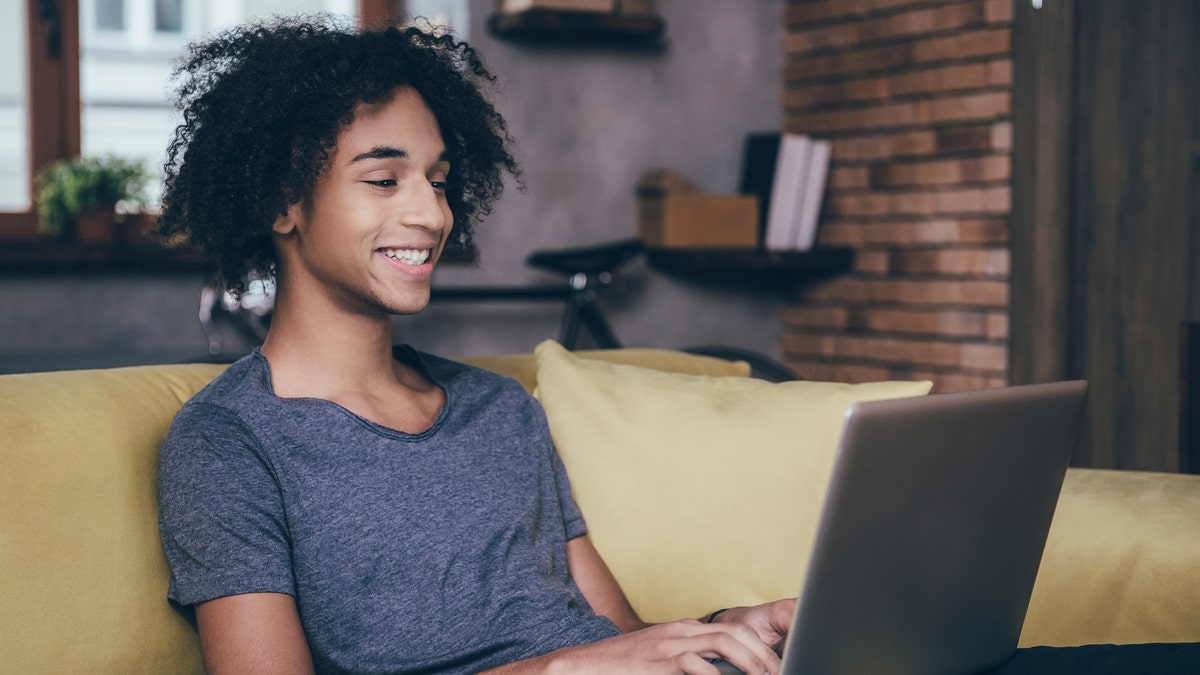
{"type": "Point", "coordinates": [96, 226]}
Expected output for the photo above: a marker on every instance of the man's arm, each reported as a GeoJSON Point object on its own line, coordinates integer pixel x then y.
{"type": "Point", "coordinates": [255, 633]}
{"type": "Point", "coordinates": [604, 594]}
{"type": "Point", "coordinates": [676, 647]}
{"type": "Point", "coordinates": [599, 586]}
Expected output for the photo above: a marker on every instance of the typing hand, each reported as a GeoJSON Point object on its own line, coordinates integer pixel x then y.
{"type": "Point", "coordinates": [769, 622]}
{"type": "Point", "coordinates": [678, 647]}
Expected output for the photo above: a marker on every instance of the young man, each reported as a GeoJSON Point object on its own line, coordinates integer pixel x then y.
{"type": "Point", "coordinates": [337, 504]}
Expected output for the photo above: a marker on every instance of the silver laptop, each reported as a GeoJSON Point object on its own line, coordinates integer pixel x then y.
{"type": "Point", "coordinates": [932, 531]}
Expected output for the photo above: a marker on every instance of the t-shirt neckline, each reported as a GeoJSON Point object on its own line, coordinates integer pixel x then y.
{"type": "Point", "coordinates": [403, 353]}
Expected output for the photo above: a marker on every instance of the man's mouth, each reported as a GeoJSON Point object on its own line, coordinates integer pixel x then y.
{"type": "Point", "coordinates": [408, 256]}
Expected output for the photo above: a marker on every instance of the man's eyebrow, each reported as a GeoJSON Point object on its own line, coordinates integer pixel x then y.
{"type": "Point", "coordinates": [380, 152]}
{"type": "Point", "coordinates": [388, 152]}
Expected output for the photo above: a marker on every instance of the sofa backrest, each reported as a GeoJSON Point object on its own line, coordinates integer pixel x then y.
{"type": "Point", "coordinates": [84, 581]}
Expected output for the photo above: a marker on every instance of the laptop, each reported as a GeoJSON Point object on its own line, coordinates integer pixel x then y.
{"type": "Point", "coordinates": [932, 532]}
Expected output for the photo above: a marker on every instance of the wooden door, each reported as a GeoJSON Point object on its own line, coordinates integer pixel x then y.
{"type": "Point", "coordinates": [1104, 233]}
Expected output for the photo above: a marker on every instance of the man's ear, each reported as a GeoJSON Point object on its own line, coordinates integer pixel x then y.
{"type": "Point", "coordinates": [286, 221]}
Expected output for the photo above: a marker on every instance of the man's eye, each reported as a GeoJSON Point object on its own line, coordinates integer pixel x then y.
{"type": "Point", "coordinates": [387, 182]}
{"type": "Point", "coordinates": [438, 184]}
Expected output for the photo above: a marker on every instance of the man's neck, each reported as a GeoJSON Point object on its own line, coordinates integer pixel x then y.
{"type": "Point", "coordinates": [318, 349]}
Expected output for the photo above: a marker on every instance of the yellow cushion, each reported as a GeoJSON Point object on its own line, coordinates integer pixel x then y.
{"type": "Point", "coordinates": [84, 579]}
{"type": "Point", "coordinates": [1122, 562]}
{"type": "Point", "coordinates": [699, 492]}
{"type": "Point", "coordinates": [523, 367]}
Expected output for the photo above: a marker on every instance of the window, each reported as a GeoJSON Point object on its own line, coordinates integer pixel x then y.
{"type": "Point", "coordinates": [14, 107]}
{"type": "Point", "coordinates": [100, 72]}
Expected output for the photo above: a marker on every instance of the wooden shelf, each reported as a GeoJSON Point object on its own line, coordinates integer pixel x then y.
{"type": "Point", "coordinates": [752, 265]}
{"type": "Point", "coordinates": [564, 27]}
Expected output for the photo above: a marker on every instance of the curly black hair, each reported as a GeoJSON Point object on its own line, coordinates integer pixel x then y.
{"type": "Point", "coordinates": [263, 105]}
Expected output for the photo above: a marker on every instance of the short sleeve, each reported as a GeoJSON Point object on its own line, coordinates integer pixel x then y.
{"type": "Point", "coordinates": [572, 517]}
{"type": "Point", "coordinates": [221, 515]}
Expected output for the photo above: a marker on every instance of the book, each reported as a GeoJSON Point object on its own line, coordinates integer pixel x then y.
{"type": "Point", "coordinates": [787, 189]}
{"type": "Point", "coordinates": [791, 206]}
{"type": "Point", "coordinates": [759, 155]}
{"type": "Point", "coordinates": [805, 229]}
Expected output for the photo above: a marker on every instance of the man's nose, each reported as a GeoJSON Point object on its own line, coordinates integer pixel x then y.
{"type": "Point", "coordinates": [426, 208]}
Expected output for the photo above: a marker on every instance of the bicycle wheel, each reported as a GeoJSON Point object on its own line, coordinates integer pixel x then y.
{"type": "Point", "coordinates": [762, 366]}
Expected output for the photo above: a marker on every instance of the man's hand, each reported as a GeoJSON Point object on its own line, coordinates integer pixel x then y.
{"type": "Point", "coordinates": [676, 647]}
{"type": "Point", "coordinates": [769, 622]}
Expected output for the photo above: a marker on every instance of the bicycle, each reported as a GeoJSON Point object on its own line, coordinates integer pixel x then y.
{"type": "Point", "coordinates": [588, 271]}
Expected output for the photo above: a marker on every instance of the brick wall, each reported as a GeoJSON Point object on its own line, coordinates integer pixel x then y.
{"type": "Point", "coordinates": [917, 98]}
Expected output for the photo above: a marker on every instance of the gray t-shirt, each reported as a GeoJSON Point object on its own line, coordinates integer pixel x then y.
{"type": "Point", "coordinates": [442, 551]}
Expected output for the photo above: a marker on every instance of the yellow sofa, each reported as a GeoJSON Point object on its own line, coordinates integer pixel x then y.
{"type": "Point", "coordinates": [83, 577]}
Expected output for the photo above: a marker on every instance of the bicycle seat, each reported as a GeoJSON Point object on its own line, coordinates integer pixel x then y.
{"type": "Point", "coordinates": [587, 259]}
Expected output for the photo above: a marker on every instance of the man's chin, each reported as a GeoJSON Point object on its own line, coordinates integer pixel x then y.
{"type": "Point", "coordinates": [408, 306]}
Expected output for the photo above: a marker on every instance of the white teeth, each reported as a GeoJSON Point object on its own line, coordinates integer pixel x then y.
{"type": "Point", "coordinates": [410, 256]}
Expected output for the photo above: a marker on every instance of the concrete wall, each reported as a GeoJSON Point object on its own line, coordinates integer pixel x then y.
{"type": "Point", "coordinates": [587, 122]}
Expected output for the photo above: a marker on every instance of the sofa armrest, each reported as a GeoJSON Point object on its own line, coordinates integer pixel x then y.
{"type": "Point", "coordinates": [1122, 562]}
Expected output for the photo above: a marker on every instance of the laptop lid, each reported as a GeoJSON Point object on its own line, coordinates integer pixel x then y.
{"type": "Point", "coordinates": [932, 531]}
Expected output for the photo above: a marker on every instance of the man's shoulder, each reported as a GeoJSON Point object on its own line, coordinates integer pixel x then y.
{"type": "Point", "coordinates": [242, 385]}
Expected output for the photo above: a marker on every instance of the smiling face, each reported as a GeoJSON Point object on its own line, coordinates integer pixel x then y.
{"type": "Point", "coordinates": [367, 238]}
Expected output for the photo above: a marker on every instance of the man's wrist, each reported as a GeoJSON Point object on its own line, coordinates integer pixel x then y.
{"type": "Point", "coordinates": [713, 617]}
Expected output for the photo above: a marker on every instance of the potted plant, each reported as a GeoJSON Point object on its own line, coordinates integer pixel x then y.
{"type": "Point", "coordinates": [81, 195]}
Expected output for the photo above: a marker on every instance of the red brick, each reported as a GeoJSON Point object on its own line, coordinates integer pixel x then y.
{"type": "Point", "coordinates": [802, 97]}
{"type": "Point", "coordinates": [997, 325]}
{"type": "Point", "coordinates": [922, 21]}
{"type": "Point", "coordinates": [991, 168]}
{"type": "Point", "coordinates": [955, 16]}
{"type": "Point", "coordinates": [926, 352]}
{"type": "Point", "coordinates": [908, 233]}
{"type": "Point", "coordinates": [959, 77]}
{"type": "Point", "coordinates": [1002, 136]}
{"type": "Point", "coordinates": [952, 261]}
{"type": "Point", "coordinates": [954, 323]}
{"type": "Point", "coordinates": [959, 108]}
{"type": "Point", "coordinates": [984, 357]}
{"type": "Point", "coordinates": [962, 293]}
{"type": "Point", "coordinates": [965, 139]}
{"type": "Point", "coordinates": [999, 11]}
{"type": "Point", "coordinates": [872, 262]}
{"type": "Point", "coordinates": [864, 61]}
{"type": "Point", "coordinates": [986, 169]}
{"type": "Point", "coordinates": [985, 200]}
{"type": "Point", "coordinates": [882, 145]}
{"type": "Point", "coordinates": [967, 45]}
{"type": "Point", "coordinates": [885, 146]}
{"type": "Point", "coordinates": [951, 78]}
{"type": "Point", "coordinates": [855, 177]}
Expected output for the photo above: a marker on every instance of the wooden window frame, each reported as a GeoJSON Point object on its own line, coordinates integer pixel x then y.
{"type": "Point", "coordinates": [52, 92]}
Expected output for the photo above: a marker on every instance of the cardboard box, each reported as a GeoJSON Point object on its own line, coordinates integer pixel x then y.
{"type": "Point", "coordinates": [698, 220]}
